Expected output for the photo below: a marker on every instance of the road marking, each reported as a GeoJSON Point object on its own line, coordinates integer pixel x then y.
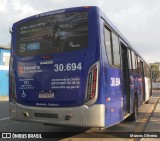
{"type": "Point", "coordinates": [6, 118]}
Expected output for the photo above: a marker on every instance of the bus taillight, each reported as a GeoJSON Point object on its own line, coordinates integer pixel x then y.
{"type": "Point", "coordinates": [92, 85]}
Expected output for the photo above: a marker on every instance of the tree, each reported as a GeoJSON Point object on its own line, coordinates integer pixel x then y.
{"type": "Point", "coordinates": [155, 72]}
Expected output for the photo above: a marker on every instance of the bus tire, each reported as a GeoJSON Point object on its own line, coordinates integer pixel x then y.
{"type": "Point", "coordinates": [134, 115]}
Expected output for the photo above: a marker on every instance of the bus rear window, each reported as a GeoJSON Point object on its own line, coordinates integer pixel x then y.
{"type": "Point", "coordinates": [52, 34]}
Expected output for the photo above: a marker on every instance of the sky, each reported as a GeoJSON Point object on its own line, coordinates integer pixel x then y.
{"type": "Point", "coordinates": [137, 20]}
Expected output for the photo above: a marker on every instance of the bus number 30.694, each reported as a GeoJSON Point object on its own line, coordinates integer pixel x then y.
{"type": "Point", "coordinates": [68, 67]}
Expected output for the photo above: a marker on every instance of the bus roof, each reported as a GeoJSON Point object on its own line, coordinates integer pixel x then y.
{"type": "Point", "coordinates": [54, 12]}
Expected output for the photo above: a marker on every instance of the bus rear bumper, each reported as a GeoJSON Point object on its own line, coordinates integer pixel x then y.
{"type": "Point", "coordinates": [81, 116]}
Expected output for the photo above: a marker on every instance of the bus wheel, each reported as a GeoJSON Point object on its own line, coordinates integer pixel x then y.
{"type": "Point", "coordinates": [134, 115]}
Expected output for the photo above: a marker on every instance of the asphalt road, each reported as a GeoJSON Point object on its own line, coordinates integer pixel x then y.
{"type": "Point", "coordinates": [7, 125]}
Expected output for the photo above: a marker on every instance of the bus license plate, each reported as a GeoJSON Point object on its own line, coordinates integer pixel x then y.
{"type": "Point", "coordinates": [46, 95]}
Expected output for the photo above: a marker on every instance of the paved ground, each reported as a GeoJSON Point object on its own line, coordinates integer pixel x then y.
{"type": "Point", "coordinates": [154, 123]}
{"type": "Point", "coordinates": [147, 121]}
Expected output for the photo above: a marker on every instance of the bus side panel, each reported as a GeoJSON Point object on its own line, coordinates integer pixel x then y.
{"type": "Point", "coordinates": [104, 94]}
{"type": "Point", "coordinates": [110, 95]}
{"type": "Point", "coordinates": [104, 90]}
{"type": "Point", "coordinates": [139, 88]}
{"type": "Point", "coordinates": [132, 92]}
{"type": "Point", "coordinates": [116, 91]}
{"type": "Point", "coordinates": [136, 87]}
{"type": "Point", "coordinates": [110, 87]}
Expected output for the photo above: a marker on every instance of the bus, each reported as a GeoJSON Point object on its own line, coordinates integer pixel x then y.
{"type": "Point", "coordinates": [72, 67]}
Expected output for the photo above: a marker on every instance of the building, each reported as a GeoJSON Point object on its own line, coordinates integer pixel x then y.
{"type": "Point", "coordinates": [4, 70]}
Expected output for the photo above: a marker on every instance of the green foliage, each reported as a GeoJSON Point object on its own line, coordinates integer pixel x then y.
{"type": "Point", "coordinates": [155, 72]}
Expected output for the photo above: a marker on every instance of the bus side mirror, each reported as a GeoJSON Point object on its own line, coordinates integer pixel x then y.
{"type": "Point", "coordinates": [10, 30]}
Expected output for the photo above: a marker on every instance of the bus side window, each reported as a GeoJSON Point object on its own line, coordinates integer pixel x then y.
{"type": "Point", "coordinates": [136, 63]}
{"type": "Point", "coordinates": [108, 45]}
{"type": "Point", "coordinates": [133, 62]}
{"type": "Point", "coordinates": [147, 72]}
{"type": "Point", "coordinates": [129, 60]}
{"type": "Point", "coordinates": [116, 51]}
{"type": "Point", "coordinates": [139, 66]}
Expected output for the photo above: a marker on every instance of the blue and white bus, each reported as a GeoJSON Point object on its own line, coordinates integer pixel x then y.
{"type": "Point", "coordinates": [72, 67]}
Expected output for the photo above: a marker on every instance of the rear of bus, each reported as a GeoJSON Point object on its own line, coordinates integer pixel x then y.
{"type": "Point", "coordinates": [54, 68]}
